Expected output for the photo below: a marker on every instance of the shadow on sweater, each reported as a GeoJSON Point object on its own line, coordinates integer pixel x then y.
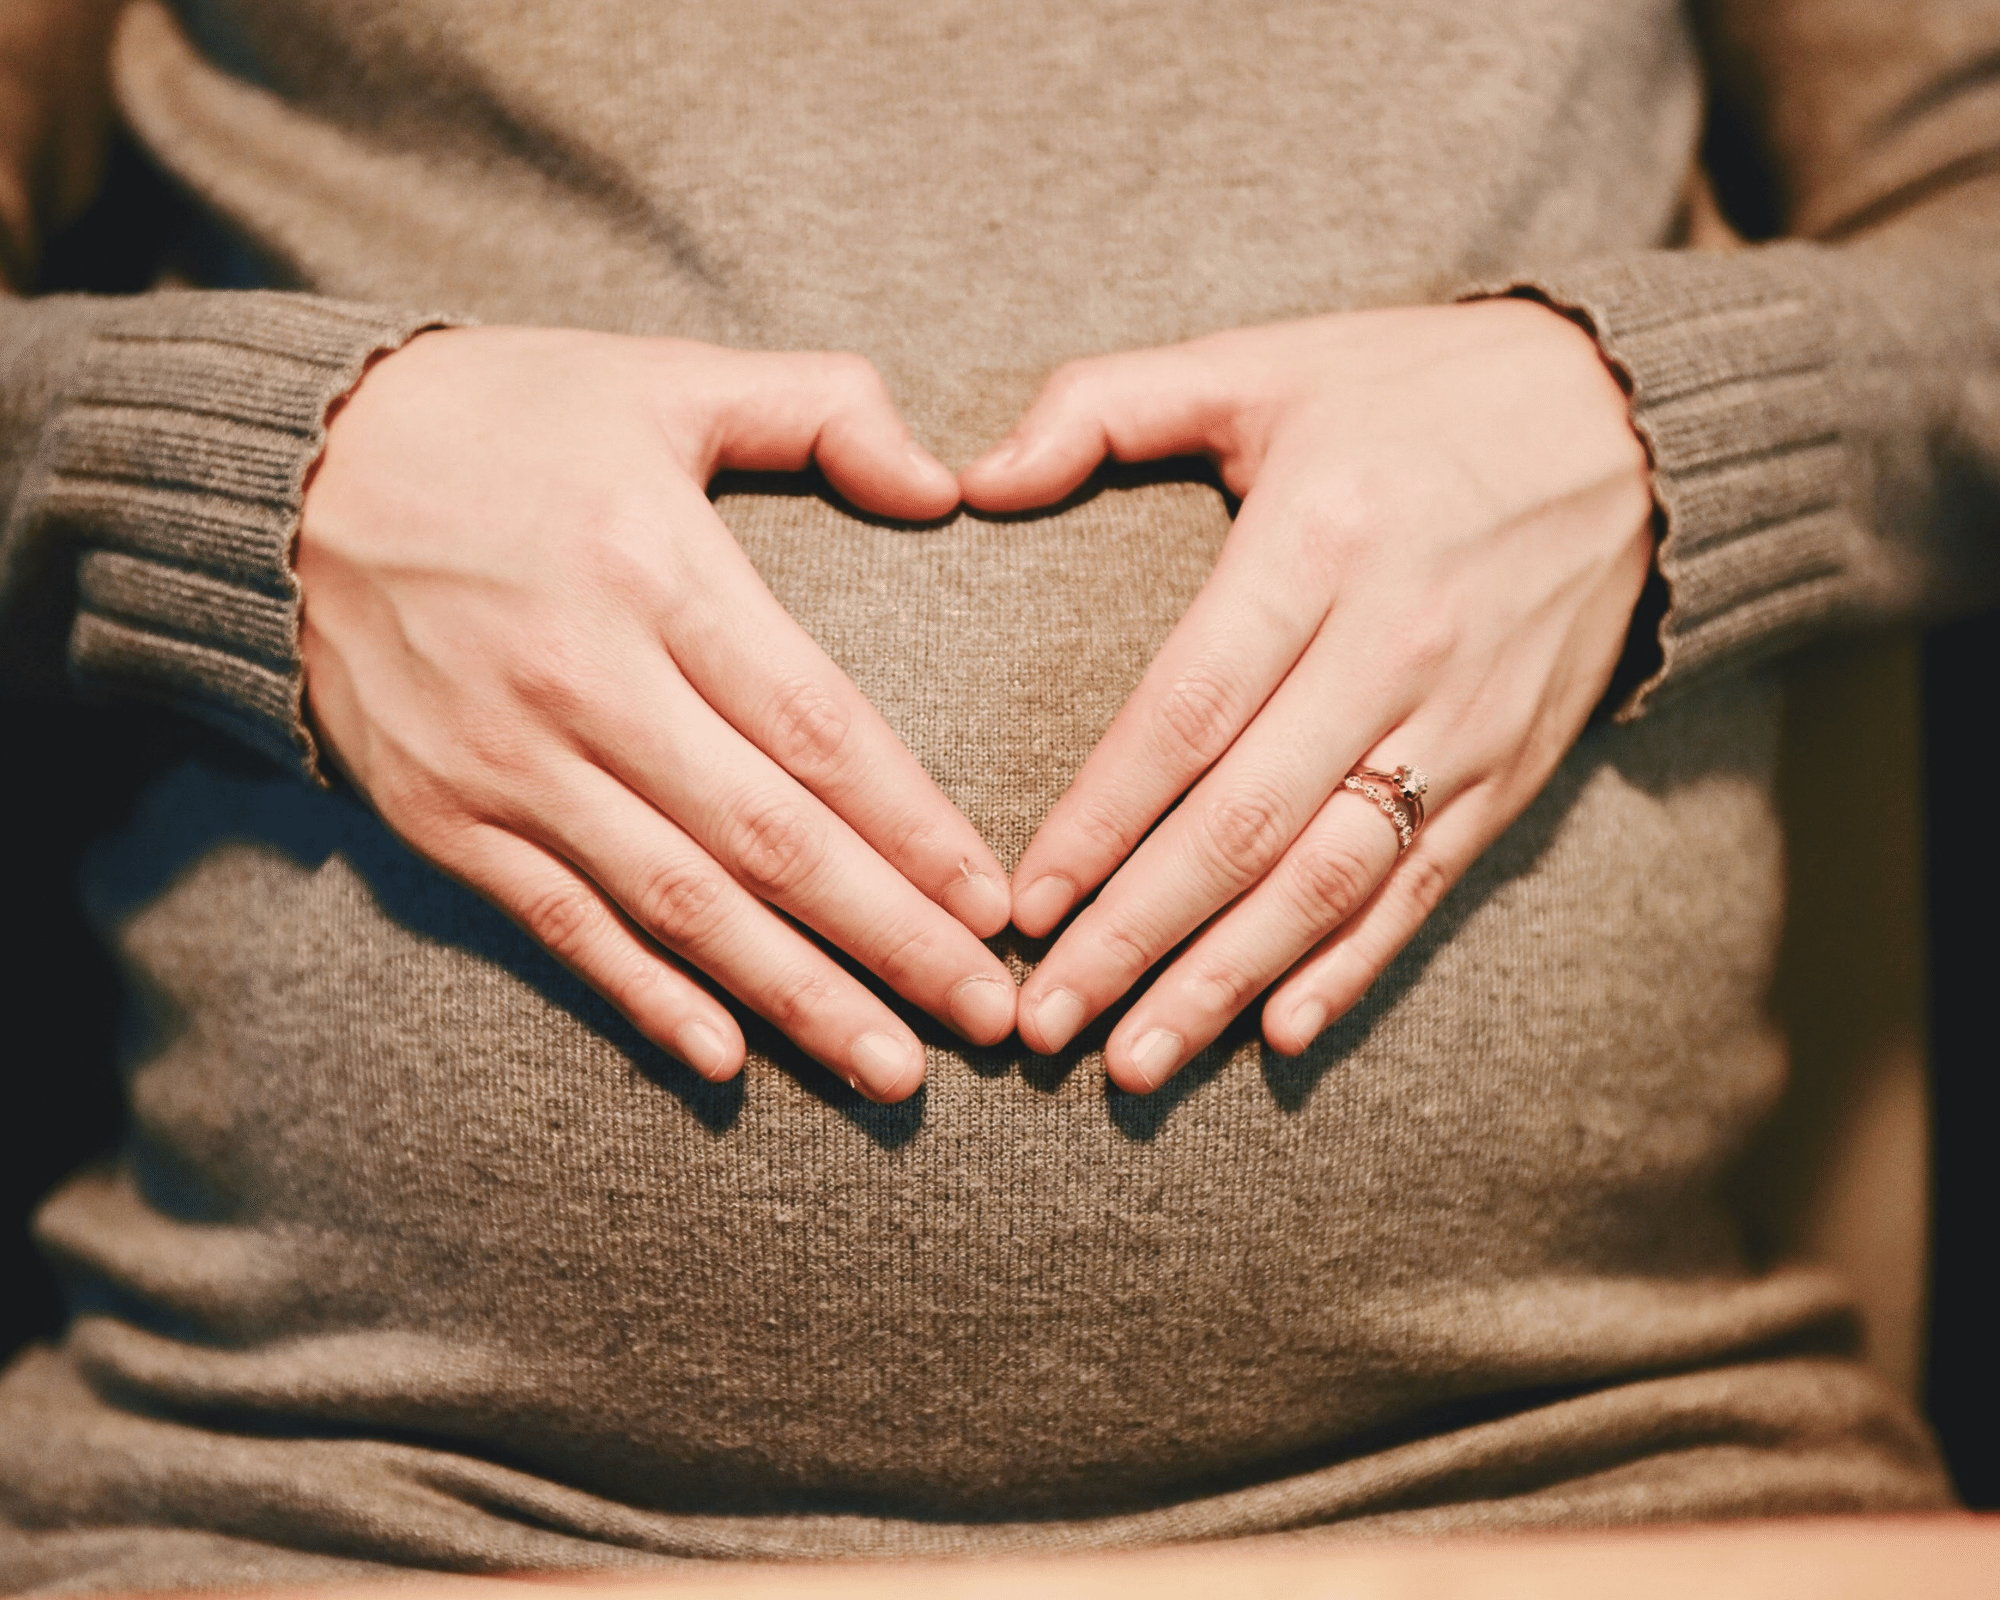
{"type": "Point", "coordinates": [221, 800]}
{"type": "Point", "coordinates": [226, 797]}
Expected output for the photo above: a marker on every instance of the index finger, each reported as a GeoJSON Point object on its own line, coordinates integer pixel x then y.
{"type": "Point", "coordinates": [1244, 632]}
{"type": "Point", "coordinates": [1250, 622]}
{"type": "Point", "coordinates": [1140, 405]}
{"type": "Point", "coordinates": [766, 676]}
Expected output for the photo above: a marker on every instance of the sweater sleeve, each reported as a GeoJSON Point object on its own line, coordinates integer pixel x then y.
{"type": "Point", "coordinates": [1822, 408]}
{"type": "Point", "coordinates": [154, 451]}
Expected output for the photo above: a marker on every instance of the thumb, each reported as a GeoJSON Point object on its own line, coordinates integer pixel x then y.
{"type": "Point", "coordinates": [792, 409]}
{"type": "Point", "coordinates": [1139, 406]}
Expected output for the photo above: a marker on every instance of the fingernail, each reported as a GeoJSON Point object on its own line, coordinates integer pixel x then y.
{"type": "Point", "coordinates": [886, 1063]}
{"type": "Point", "coordinates": [1308, 1017]}
{"type": "Point", "coordinates": [702, 1048]}
{"type": "Point", "coordinates": [1155, 1054]}
{"type": "Point", "coordinates": [1058, 1014]}
{"type": "Point", "coordinates": [977, 901]}
{"type": "Point", "coordinates": [1040, 906]}
{"type": "Point", "coordinates": [983, 1009]}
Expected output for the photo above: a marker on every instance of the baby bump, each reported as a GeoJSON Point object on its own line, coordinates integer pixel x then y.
{"type": "Point", "coordinates": [393, 1169]}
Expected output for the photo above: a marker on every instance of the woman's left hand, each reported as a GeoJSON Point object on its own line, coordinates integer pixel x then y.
{"type": "Point", "coordinates": [1446, 524]}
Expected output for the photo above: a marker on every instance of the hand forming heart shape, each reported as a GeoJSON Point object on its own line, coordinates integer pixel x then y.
{"type": "Point", "coordinates": [1445, 528]}
{"type": "Point", "coordinates": [507, 551]}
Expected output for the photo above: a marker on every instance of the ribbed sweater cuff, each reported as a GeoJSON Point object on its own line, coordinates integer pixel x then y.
{"type": "Point", "coordinates": [1730, 364]}
{"type": "Point", "coordinates": [177, 466]}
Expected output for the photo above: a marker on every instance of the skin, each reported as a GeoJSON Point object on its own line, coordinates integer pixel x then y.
{"type": "Point", "coordinates": [1950, 1556]}
{"type": "Point", "coordinates": [533, 646]}
{"type": "Point", "coordinates": [1446, 524]}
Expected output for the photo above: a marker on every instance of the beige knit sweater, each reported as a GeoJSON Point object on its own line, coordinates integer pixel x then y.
{"type": "Point", "coordinates": [417, 1257]}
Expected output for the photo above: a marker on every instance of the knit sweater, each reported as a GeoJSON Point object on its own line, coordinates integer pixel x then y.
{"type": "Point", "coordinates": [417, 1256]}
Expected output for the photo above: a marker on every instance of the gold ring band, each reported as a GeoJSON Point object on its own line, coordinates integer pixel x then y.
{"type": "Point", "coordinates": [1398, 795]}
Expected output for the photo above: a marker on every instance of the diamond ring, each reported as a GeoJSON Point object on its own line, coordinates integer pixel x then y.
{"type": "Point", "coordinates": [1398, 795]}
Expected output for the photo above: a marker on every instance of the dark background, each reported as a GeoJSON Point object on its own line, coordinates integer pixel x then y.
{"type": "Point", "coordinates": [68, 773]}
{"type": "Point", "coordinates": [1961, 688]}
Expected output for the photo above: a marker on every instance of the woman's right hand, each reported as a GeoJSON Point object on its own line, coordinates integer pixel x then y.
{"type": "Point", "coordinates": [533, 645]}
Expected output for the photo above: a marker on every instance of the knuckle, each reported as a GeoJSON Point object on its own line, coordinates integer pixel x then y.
{"type": "Point", "coordinates": [414, 801]}
{"type": "Point", "coordinates": [1349, 506]}
{"type": "Point", "coordinates": [563, 919]}
{"type": "Point", "coordinates": [494, 737]}
{"type": "Point", "coordinates": [1198, 715]}
{"type": "Point", "coordinates": [1069, 385]}
{"type": "Point", "coordinates": [1425, 643]}
{"type": "Point", "coordinates": [678, 901]}
{"type": "Point", "coordinates": [1330, 878]}
{"type": "Point", "coordinates": [1244, 834]}
{"type": "Point", "coordinates": [1130, 948]}
{"type": "Point", "coordinates": [1367, 489]}
{"type": "Point", "coordinates": [1105, 826]}
{"type": "Point", "coordinates": [545, 677]}
{"type": "Point", "coordinates": [796, 1001]}
{"type": "Point", "coordinates": [809, 728]}
{"type": "Point", "coordinates": [620, 550]}
{"type": "Point", "coordinates": [914, 842]}
{"type": "Point", "coordinates": [1221, 987]}
{"type": "Point", "coordinates": [775, 848]}
{"type": "Point", "coordinates": [1329, 531]}
{"type": "Point", "coordinates": [853, 377]}
{"type": "Point", "coordinates": [906, 956]}
{"type": "Point", "coordinates": [1423, 882]}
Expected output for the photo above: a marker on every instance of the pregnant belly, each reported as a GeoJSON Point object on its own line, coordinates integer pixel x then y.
{"type": "Point", "coordinates": [394, 1172]}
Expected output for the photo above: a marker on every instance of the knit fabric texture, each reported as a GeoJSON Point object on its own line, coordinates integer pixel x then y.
{"type": "Point", "coordinates": [419, 1258]}
{"type": "Point", "coordinates": [174, 469]}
